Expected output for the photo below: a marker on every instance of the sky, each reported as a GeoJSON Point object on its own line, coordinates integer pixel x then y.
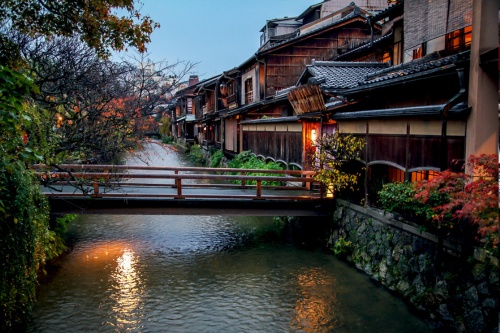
{"type": "Point", "coordinates": [218, 34]}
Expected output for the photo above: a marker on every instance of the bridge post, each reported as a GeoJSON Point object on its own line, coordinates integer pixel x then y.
{"type": "Point", "coordinates": [243, 183]}
{"type": "Point", "coordinates": [96, 189]}
{"type": "Point", "coordinates": [178, 184]}
{"type": "Point", "coordinates": [259, 188]}
{"type": "Point", "coordinates": [176, 172]}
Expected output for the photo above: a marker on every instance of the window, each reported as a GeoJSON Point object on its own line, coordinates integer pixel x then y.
{"type": "Point", "coordinates": [423, 175]}
{"type": "Point", "coordinates": [386, 57]}
{"type": "Point", "coordinates": [459, 40]}
{"type": "Point", "coordinates": [395, 175]}
{"type": "Point", "coordinates": [248, 91]}
{"type": "Point", "coordinates": [419, 52]}
{"type": "Point", "coordinates": [397, 53]}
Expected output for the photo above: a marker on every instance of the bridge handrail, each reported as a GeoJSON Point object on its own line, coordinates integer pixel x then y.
{"type": "Point", "coordinates": [100, 175]}
{"type": "Point", "coordinates": [166, 168]}
{"type": "Point", "coordinates": [94, 175]}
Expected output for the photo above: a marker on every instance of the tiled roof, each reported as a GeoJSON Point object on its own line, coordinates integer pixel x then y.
{"type": "Point", "coordinates": [342, 75]}
{"type": "Point", "coordinates": [429, 110]}
{"type": "Point", "coordinates": [271, 120]}
{"type": "Point", "coordinates": [419, 67]}
{"type": "Point", "coordinates": [332, 104]}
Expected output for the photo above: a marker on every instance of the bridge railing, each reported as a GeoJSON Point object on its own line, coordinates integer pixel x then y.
{"type": "Point", "coordinates": [103, 180]}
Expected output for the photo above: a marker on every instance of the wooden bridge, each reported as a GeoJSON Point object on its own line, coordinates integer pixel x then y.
{"type": "Point", "coordinates": [145, 190]}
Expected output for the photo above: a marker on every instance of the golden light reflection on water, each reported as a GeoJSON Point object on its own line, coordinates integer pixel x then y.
{"type": "Point", "coordinates": [126, 288]}
{"type": "Point", "coordinates": [315, 310]}
{"type": "Point", "coordinates": [125, 285]}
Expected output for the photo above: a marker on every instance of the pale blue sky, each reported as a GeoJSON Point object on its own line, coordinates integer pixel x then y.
{"type": "Point", "coordinates": [219, 34]}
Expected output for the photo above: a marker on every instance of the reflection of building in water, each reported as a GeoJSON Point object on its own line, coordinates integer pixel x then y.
{"type": "Point", "coordinates": [127, 289]}
{"type": "Point", "coordinates": [316, 310]}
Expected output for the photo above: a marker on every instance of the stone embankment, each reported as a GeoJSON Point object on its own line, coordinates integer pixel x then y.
{"type": "Point", "coordinates": [460, 295]}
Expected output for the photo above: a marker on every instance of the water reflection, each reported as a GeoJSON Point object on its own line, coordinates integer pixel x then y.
{"type": "Point", "coordinates": [127, 289]}
{"type": "Point", "coordinates": [316, 302]}
{"type": "Point", "coordinates": [206, 274]}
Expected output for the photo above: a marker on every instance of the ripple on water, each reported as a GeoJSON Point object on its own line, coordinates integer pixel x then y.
{"type": "Point", "coordinates": [206, 274]}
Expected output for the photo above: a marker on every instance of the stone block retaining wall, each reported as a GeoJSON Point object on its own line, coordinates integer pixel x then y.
{"type": "Point", "coordinates": [463, 296]}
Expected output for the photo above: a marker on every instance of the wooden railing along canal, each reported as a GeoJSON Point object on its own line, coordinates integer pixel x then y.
{"type": "Point", "coordinates": [100, 181]}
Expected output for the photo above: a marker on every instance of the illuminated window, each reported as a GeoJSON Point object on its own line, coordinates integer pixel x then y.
{"type": "Point", "coordinates": [419, 52]}
{"type": "Point", "coordinates": [423, 175]}
{"type": "Point", "coordinates": [459, 40]}
{"type": "Point", "coordinates": [395, 175]}
{"type": "Point", "coordinates": [386, 57]}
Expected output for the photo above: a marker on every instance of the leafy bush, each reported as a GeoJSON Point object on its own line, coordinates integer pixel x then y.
{"type": "Point", "coordinates": [216, 159]}
{"type": "Point", "coordinates": [451, 198]}
{"type": "Point", "coordinates": [196, 155]}
{"type": "Point", "coordinates": [329, 160]}
{"type": "Point", "coordinates": [454, 197]}
{"type": "Point", "coordinates": [168, 139]}
{"type": "Point", "coordinates": [400, 198]}
{"type": "Point", "coordinates": [246, 160]}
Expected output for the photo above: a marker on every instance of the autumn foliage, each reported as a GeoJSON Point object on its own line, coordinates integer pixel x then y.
{"type": "Point", "coordinates": [453, 198]}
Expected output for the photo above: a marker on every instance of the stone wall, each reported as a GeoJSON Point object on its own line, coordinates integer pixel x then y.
{"type": "Point", "coordinates": [461, 295]}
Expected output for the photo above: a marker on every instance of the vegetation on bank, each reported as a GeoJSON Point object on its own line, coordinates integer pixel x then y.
{"type": "Point", "coordinates": [28, 238]}
{"type": "Point", "coordinates": [61, 100]}
{"type": "Point", "coordinates": [452, 201]}
{"type": "Point", "coordinates": [244, 160]}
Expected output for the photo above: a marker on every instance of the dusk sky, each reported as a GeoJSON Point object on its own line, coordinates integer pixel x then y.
{"type": "Point", "coordinates": [219, 34]}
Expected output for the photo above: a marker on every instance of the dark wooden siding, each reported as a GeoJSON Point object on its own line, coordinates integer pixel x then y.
{"type": "Point", "coordinates": [422, 151]}
{"type": "Point", "coordinates": [285, 65]}
{"type": "Point", "coordinates": [286, 146]}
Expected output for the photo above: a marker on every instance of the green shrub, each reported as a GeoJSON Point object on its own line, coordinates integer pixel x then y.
{"type": "Point", "coordinates": [216, 159]}
{"type": "Point", "coordinates": [196, 155]}
{"type": "Point", "coordinates": [246, 160]}
{"type": "Point", "coordinates": [334, 152]}
{"type": "Point", "coordinates": [168, 139]}
{"type": "Point", "coordinates": [400, 198]}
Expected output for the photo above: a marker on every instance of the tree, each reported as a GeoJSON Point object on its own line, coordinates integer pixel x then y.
{"type": "Point", "coordinates": [98, 107]}
{"type": "Point", "coordinates": [333, 154]}
{"type": "Point", "coordinates": [38, 119]}
{"type": "Point", "coordinates": [101, 24]}
{"type": "Point", "coordinates": [165, 126]}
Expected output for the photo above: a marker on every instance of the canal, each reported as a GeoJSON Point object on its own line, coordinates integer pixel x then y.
{"type": "Point", "coordinates": [206, 274]}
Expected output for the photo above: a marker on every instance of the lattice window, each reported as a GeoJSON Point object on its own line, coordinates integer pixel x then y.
{"type": "Point", "coordinates": [248, 91]}
{"type": "Point", "coordinates": [459, 40]}
{"type": "Point", "coordinates": [423, 175]}
{"type": "Point", "coordinates": [395, 175]}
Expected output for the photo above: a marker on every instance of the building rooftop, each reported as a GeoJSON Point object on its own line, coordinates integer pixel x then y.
{"type": "Point", "coordinates": [338, 75]}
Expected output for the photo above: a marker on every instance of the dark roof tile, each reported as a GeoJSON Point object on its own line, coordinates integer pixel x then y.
{"type": "Point", "coordinates": [431, 62]}
{"type": "Point", "coordinates": [342, 75]}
